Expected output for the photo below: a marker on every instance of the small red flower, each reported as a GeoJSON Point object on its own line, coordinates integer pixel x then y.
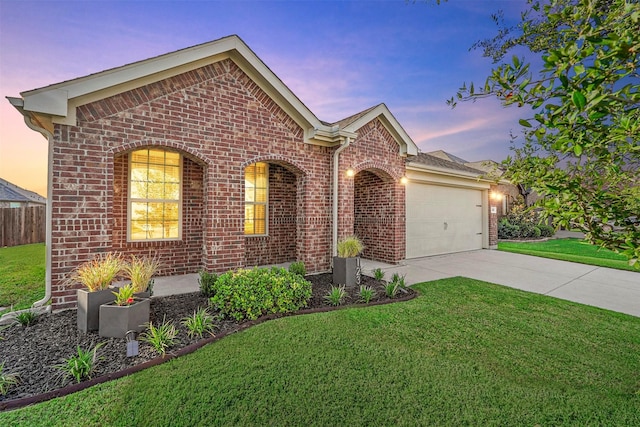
{"type": "Point", "coordinates": [130, 300]}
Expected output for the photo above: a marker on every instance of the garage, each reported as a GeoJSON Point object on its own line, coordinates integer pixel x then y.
{"type": "Point", "coordinates": [442, 219]}
{"type": "Point", "coordinates": [446, 209]}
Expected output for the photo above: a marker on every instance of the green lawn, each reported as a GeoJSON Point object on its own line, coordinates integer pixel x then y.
{"type": "Point", "coordinates": [22, 271]}
{"type": "Point", "coordinates": [464, 352]}
{"type": "Point", "coordinates": [575, 250]}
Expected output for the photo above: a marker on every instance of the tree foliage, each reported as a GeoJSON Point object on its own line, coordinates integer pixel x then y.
{"type": "Point", "coordinates": [581, 130]}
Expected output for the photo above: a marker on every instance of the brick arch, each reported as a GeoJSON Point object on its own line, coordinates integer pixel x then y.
{"type": "Point", "coordinates": [286, 163]}
{"type": "Point", "coordinates": [193, 154]}
{"type": "Point", "coordinates": [381, 170]}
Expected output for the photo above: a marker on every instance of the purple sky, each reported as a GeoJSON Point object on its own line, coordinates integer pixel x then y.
{"type": "Point", "coordinates": [338, 57]}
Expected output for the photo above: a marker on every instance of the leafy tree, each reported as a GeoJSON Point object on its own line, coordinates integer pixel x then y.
{"type": "Point", "coordinates": [580, 149]}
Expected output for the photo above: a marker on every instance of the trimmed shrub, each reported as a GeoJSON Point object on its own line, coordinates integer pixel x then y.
{"type": "Point", "coordinates": [207, 283]}
{"type": "Point", "coordinates": [527, 230]}
{"type": "Point", "coordinates": [249, 294]}
{"type": "Point", "coordinates": [546, 230]}
{"type": "Point", "coordinates": [298, 268]}
{"type": "Point", "coordinates": [506, 230]}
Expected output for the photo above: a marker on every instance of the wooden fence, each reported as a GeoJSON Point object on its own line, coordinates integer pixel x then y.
{"type": "Point", "coordinates": [21, 226]}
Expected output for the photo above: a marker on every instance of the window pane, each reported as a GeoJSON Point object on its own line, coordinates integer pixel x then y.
{"type": "Point", "coordinates": [248, 211]}
{"type": "Point", "coordinates": [156, 173]}
{"type": "Point", "coordinates": [155, 190]}
{"type": "Point", "coordinates": [172, 158]}
{"type": "Point", "coordinates": [140, 156]}
{"type": "Point", "coordinates": [260, 212]}
{"type": "Point", "coordinates": [171, 230]}
{"type": "Point", "coordinates": [261, 177]}
{"type": "Point", "coordinates": [172, 174]}
{"type": "Point", "coordinates": [171, 212]}
{"type": "Point", "coordinates": [140, 230]}
{"type": "Point", "coordinates": [172, 191]}
{"type": "Point", "coordinates": [260, 227]}
{"type": "Point", "coordinates": [156, 212]}
{"type": "Point", "coordinates": [139, 172]}
{"type": "Point", "coordinates": [156, 157]}
{"type": "Point", "coordinates": [138, 211]}
{"type": "Point", "coordinates": [139, 190]}
{"type": "Point", "coordinates": [261, 195]}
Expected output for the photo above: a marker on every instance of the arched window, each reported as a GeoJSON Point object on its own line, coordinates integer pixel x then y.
{"type": "Point", "coordinates": [256, 196]}
{"type": "Point", "coordinates": [155, 190]}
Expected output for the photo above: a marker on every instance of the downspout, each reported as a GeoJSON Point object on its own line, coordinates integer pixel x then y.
{"type": "Point", "coordinates": [47, 289]}
{"type": "Point", "coordinates": [336, 154]}
{"type": "Point", "coordinates": [49, 212]}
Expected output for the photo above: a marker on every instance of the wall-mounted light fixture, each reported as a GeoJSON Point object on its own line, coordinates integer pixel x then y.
{"type": "Point", "coordinates": [404, 180]}
{"type": "Point", "coordinates": [496, 196]}
{"type": "Point", "coordinates": [350, 172]}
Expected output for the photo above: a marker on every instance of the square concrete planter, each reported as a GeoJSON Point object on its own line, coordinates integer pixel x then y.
{"type": "Point", "coordinates": [89, 307]}
{"type": "Point", "coordinates": [346, 271]}
{"type": "Point", "coordinates": [117, 320]}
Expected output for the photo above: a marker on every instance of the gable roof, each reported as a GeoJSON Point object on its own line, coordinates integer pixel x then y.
{"type": "Point", "coordinates": [12, 193]}
{"type": "Point", "coordinates": [57, 103]}
{"type": "Point", "coordinates": [382, 113]}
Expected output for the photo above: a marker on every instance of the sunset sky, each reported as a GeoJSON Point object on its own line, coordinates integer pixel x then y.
{"type": "Point", "coordinates": [338, 57]}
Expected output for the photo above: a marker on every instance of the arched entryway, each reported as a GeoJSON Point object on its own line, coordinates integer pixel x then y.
{"type": "Point", "coordinates": [273, 200]}
{"type": "Point", "coordinates": [377, 214]}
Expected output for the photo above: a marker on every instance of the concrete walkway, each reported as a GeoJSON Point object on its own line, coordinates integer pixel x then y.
{"type": "Point", "coordinates": [615, 290]}
{"type": "Point", "coordinates": [608, 288]}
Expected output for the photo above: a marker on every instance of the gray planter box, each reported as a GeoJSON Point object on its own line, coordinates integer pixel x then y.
{"type": "Point", "coordinates": [89, 307]}
{"type": "Point", "coordinates": [346, 271]}
{"type": "Point", "coordinates": [117, 320]}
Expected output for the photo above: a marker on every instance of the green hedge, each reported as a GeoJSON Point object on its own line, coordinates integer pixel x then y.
{"type": "Point", "coordinates": [249, 294]}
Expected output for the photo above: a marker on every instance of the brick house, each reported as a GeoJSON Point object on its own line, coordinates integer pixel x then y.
{"type": "Point", "coordinates": [206, 159]}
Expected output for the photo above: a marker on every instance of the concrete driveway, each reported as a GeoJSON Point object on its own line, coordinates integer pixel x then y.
{"type": "Point", "coordinates": [607, 288]}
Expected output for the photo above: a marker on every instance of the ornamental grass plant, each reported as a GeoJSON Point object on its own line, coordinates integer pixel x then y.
{"type": "Point", "coordinates": [81, 365]}
{"type": "Point", "coordinates": [7, 380]}
{"type": "Point", "coordinates": [349, 247]}
{"type": "Point", "coordinates": [161, 337]}
{"type": "Point", "coordinates": [140, 270]}
{"type": "Point", "coordinates": [99, 273]}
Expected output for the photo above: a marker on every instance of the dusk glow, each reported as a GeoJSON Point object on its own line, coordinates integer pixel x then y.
{"type": "Point", "coordinates": [338, 57]}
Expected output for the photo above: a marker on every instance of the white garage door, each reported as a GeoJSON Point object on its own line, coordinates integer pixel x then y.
{"type": "Point", "coordinates": [442, 219]}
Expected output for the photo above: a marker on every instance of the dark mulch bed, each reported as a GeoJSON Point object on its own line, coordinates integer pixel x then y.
{"type": "Point", "coordinates": [33, 352]}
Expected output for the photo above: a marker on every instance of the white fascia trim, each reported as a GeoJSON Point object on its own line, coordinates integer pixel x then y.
{"type": "Point", "coordinates": [406, 144]}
